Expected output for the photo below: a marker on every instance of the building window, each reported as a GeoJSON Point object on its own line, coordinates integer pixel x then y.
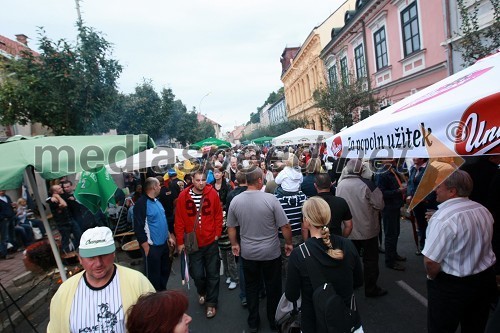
{"type": "Point", "coordinates": [411, 34]}
{"type": "Point", "coordinates": [344, 70]}
{"type": "Point", "coordinates": [360, 62]}
{"type": "Point", "coordinates": [380, 48]}
{"type": "Point", "coordinates": [332, 75]}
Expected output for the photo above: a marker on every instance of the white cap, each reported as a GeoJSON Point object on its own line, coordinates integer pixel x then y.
{"type": "Point", "coordinates": [96, 241]}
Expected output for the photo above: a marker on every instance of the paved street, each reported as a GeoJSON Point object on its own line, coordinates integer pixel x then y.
{"type": "Point", "coordinates": [402, 310]}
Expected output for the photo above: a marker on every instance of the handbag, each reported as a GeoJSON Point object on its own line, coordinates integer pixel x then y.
{"type": "Point", "coordinates": [288, 316]}
{"type": "Point", "coordinates": [190, 241]}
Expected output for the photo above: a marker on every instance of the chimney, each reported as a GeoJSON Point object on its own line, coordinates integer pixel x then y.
{"type": "Point", "coordinates": [22, 38]}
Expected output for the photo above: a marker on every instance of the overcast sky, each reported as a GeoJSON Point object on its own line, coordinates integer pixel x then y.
{"type": "Point", "coordinates": [219, 56]}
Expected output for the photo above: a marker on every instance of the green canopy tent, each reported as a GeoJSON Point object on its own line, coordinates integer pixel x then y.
{"type": "Point", "coordinates": [211, 142]}
{"type": "Point", "coordinates": [263, 139]}
{"type": "Point", "coordinates": [57, 156]}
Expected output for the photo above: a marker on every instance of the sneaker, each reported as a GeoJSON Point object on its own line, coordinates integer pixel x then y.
{"type": "Point", "coordinates": [244, 302]}
{"type": "Point", "coordinates": [232, 285]}
{"type": "Point", "coordinates": [228, 280]}
{"type": "Point", "coordinates": [400, 258]}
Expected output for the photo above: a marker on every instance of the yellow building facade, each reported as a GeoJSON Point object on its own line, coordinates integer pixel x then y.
{"type": "Point", "coordinates": [306, 72]}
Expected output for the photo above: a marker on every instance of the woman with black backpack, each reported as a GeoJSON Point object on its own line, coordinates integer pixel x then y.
{"type": "Point", "coordinates": [324, 271]}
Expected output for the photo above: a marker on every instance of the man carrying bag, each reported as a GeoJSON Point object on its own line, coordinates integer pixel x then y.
{"type": "Point", "coordinates": [200, 203]}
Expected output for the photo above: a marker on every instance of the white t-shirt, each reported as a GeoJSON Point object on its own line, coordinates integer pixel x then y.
{"type": "Point", "coordinates": [97, 310]}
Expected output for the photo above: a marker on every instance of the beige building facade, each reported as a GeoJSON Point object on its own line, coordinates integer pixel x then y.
{"type": "Point", "coordinates": [304, 71]}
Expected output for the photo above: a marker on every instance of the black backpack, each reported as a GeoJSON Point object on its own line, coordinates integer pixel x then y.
{"type": "Point", "coordinates": [333, 315]}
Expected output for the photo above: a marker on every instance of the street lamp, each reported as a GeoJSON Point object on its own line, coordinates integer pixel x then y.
{"type": "Point", "coordinates": [201, 100]}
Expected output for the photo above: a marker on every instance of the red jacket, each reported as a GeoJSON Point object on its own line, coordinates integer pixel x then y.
{"type": "Point", "coordinates": [211, 216]}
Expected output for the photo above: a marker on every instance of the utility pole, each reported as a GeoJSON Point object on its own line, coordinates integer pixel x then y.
{"type": "Point", "coordinates": [78, 12]}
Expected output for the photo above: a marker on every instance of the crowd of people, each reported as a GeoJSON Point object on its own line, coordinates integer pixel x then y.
{"type": "Point", "coordinates": [254, 208]}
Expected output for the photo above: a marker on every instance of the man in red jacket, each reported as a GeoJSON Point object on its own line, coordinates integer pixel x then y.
{"type": "Point", "coordinates": [206, 220]}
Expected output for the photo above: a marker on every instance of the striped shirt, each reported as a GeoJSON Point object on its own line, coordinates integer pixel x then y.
{"type": "Point", "coordinates": [459, 237]}
{"type": "Point", "coordinates": [292, 205]}
{"type": "Point", "coordinates": [97, 309]}
{"type": "Point", "coordinates": [197, 199]}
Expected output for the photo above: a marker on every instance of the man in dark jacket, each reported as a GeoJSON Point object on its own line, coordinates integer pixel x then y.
{"type": "Point", "coordinates": [341, 213]}
{"type": "Point", "coordinates": [151, 230]}
{"type": "Point", "coordinates": [393, 187]}
{"type": "Point", "coordinates": [7, 217]}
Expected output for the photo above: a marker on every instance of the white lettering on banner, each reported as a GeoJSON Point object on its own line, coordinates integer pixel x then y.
{"type": "Point", "coordinates": [401, 138]}
{"type": "Point", "coordinates": [475, 134]}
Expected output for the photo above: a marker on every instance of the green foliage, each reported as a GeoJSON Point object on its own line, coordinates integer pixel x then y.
{"type": "Point", "coordinates": [142, 112]}
{"type": "Point", "coordinates": [70, 89]}
{"type": "Point", "coordinates": [205, 130]}
{"type": "Point", "coordinates": [254, 118]}
{"type": "Point", "coordinates": [186, 125]}
{"type": "Point", "coordinates": [338, 101]}
{"type": "Point", "coordinates": [276, 130]}
{"type": "Point", "coordinates": [475, 43]}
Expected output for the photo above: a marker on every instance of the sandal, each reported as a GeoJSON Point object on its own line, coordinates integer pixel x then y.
{"type": "Point", "coordinates": [201, 300]}
{"type": "Point", "coordinates": [211, 312]}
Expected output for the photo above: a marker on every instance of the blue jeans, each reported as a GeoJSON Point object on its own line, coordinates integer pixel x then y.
{"type": "Point", "coordinates": [6, 234]}
{"type": "Point", "coordinates": [66, 230]}
{"type": "Point", "coordinates": [38, 224]}
{"type": "Point", "coordinates": [25, 232]}
{"type": "Point", "coordinates": [204, 267]}
{"type": "Point", "coordinates": [271, 271]}
{"type": "Point", "coordinates": [392, 226]}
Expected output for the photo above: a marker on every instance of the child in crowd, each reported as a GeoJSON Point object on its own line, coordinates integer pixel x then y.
{"type": "Point", "coordinates": [23, 219]}
{"type": "Point", "coordinates": [290, 178]}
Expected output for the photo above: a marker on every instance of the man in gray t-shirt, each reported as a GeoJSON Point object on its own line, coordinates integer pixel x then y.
{"type": "Point", "coordinates": [259, 215]}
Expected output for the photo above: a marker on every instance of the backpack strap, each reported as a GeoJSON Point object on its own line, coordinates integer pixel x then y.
{"type": "Point", "coordinates": [313, 268]}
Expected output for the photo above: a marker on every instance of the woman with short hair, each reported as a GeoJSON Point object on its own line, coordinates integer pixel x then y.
{"type": "Point", "coordinates": [160, 312]}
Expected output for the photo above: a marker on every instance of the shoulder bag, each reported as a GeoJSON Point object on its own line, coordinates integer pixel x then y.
{"type": "Point", "coordinates": [190, 241]}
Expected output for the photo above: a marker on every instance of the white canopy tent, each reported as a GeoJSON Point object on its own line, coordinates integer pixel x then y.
{"type": "Point", "coordinates": [154, 157]}
{"type": "Point", "coordinates": [456, 116]}
{"type": "Point", "coordinates": [301, 136]}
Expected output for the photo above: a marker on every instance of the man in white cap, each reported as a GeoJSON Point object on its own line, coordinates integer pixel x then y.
{"type": "Point", "coordinates": [97, 299]}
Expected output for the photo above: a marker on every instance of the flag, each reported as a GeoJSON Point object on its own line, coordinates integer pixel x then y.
{"type": "Point", "coordinates": [96, 189]}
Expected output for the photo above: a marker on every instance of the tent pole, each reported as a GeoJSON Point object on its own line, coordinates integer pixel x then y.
{"type": "Point", "coordinates": [41, 209]}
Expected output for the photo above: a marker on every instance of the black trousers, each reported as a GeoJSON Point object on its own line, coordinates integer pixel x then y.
{"type": "Point", "coordinates": [465, 301]}
{"type": "Point", "coordinates": [370, 262]}
{"type": "Point", "coordinates": [157, 266]}
{"type": "Point", "coordinates": [254, 270]}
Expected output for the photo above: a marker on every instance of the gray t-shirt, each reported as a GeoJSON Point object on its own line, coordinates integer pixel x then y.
{"type": "Point", "coordinates": [259, 215]}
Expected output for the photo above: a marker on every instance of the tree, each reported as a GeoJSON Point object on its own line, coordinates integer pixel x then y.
{"type": "Point", "coordinates": [70, 89]}
{"type": "Point", "coordinates": [339, 100]}
{"type": "Point", "coordinates": [276, 129]}
{"type": "Point", "coordinates": [478, 43]}
{"type": "Point", "coordinates": [186, 125]}
{"type": "Point", "coordinates": [205, 130]}
{"type": "Point", "coordinates": [143, 113]}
